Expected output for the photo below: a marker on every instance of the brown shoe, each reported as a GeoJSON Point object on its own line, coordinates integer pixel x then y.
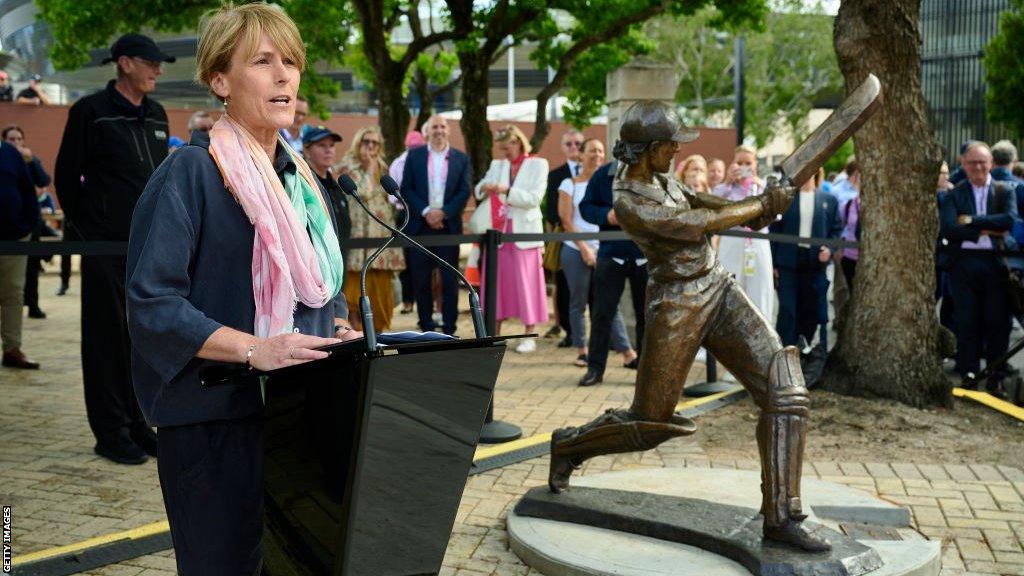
{"type": "Point", "coordinates": [15, 358]}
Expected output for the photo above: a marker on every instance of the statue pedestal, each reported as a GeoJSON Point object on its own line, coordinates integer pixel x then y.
{"type": "Point", "coordinates": [558, 548]}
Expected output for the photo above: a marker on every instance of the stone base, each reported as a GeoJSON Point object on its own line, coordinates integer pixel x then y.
{"type": "Point", "coordinates": [561, 548]}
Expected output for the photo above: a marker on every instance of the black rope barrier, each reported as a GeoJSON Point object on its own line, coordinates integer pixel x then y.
{"type": "Point", "coordinates": [120, 248]}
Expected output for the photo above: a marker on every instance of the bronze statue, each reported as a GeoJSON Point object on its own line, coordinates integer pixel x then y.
{"type": "Point", "coordinates": [692, 302]}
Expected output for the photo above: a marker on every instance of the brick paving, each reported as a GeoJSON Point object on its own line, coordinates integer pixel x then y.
{"type": "Point", "coordinates": [62, 493]}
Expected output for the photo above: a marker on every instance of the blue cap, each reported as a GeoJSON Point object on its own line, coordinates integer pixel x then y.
{"type": "Point", "coordinates": [314, 135]}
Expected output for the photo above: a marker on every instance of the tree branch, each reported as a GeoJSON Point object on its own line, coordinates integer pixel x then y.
{"type": "Point", "coordinates": [420, 44]}
{"type": "Point", "coordinates": [569, 59]}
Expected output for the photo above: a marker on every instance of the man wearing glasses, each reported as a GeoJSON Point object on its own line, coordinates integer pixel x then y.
{"type": "Point", "coordinates": [572, 144]}
{"type": "Point", "coordinates": [113, 141]}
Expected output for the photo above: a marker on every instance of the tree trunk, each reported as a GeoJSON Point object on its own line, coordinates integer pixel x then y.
{"type": "Point", "coordinates": [889, 343]}
{"type": "Point", "coordinates": [475, 130]}
{"type": "Point", "coordinates": [394, 116]}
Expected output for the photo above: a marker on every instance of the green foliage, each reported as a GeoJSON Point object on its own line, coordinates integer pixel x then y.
{"type": "Point", "coordinates": [78, 27]}
{"type": "Point", "coordinates": [789, 62]}
{"type": "Point", "coordinates": [837, 163]}
{"type": "Point", "coordinates": [558, 39]}
{"type": "Point", "coordinates": [586, 86]}
{"type": "Point", "coordinates": [1004, 70]}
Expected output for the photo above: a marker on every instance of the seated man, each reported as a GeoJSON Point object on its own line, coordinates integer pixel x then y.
{"type": "Point", "coordinates": [693, 301]}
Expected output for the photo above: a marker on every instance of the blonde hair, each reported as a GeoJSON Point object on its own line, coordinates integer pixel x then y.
{"type": "Point", "coordinates": [703, 178]}
{"type": "Point", "coordinates": [351, 158]}
{"type": "Point", "coordinates": [510, 132]}
{"type": "Point", "coordinates": [744, 150]}
{"type": "Point", "coordinates": [231, 28]}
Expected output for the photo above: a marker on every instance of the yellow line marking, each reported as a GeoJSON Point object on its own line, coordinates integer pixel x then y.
{"type": "Point", "coordinates": [499, 449]}
{"type": "Point", "coordinates": [991, 401]}
{"type": "Point", "coordinates": [482, 452]}
{"type": "Point", "coordinates": [133, 534]}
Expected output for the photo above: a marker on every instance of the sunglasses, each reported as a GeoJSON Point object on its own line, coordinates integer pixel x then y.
{"type": "Point", "coordinates": [150, 63]}
{"type": "Point", "coordinates": [371, 142]}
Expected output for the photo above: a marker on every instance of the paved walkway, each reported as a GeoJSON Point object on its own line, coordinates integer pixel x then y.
{"type": "Point", "coordinates": [62, 493]}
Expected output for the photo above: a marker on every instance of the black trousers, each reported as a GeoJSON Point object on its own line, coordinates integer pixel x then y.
{"type": "Point", "coordinates": [421, 267]}
{"type": "Point", "coordinates": [405, 279]}
{"type": "Point", "coordinates": [849, 271]}
{"type": "Point", "coordinates": [562, 302]}
{"type": "Point", "coordinates": [32, 269]}
{"type": "Point", "coordinates": [211, 476]}
{"type": "Point", "coordinates": [982, 312]}
{"type": "Point", "coordinates": [106, 373]}
{"type": "Point", "coordinates": [33, 266]}
{"type": "Point", "coordinates": [608, 282]}
{"type": "Point", "coordinates": [799, 300]}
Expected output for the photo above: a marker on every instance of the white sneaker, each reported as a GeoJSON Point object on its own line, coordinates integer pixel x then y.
{"type": "Point", "coordinates": [526, 346]}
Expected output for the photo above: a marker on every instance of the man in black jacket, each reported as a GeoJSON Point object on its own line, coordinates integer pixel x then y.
{"type": "Point", "coordinates": [572, 146]}
{"type": "Point", "coordinates": [975, 215]}
{"type": "Point", "coordinates": [113, 141]}
{"type": "Point", "coordinates": [617, 261]}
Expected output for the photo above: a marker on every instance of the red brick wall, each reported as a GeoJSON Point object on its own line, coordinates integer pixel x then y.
{"type": "Point", "coordinates": [44, 127]}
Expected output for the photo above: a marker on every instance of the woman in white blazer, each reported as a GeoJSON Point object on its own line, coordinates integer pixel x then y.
{"type": "Point", "coordinates": [511, 193]}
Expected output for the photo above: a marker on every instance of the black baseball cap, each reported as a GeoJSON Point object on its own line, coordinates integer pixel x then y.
{"type": "Point", "coordinates": [314, 135]}
{"type": "Point", "coordinates": [137, 46]}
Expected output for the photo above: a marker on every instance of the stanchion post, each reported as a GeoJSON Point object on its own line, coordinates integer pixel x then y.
{"type": "Point", "coordinates": [710, 385]}
{"type": "Point", "coordinates": [494, 431]}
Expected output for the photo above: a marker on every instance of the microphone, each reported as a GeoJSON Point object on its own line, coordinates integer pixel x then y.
{"type": "Point", "coordinates": [391, 187]}
{"type": "Point", "coordinates": [365, 312]}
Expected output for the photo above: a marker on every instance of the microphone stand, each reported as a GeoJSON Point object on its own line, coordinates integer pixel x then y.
{"type": "Point", "coordinates": [493, 431]}
{"type": "Point", "coordinates": [391, 187]}
{"type": "Point", "coordinates": [365, 311]}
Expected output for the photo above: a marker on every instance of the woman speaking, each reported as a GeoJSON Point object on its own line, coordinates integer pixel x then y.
{"type": "Point", "coordinates": [233, 257]}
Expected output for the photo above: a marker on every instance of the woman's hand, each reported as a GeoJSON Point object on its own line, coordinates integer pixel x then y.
{"type": "Point", "coordinates": [589, 258]}
{"type": "Point", "coordinates": [288, 350]}
{"type": "Point", "coordinates": [346, 333]}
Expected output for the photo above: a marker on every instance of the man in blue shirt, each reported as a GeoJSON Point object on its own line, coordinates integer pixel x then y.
{"type": "Point", "coordinates": [617, 261]}
{"type": "Point", "coordinates": [19, 215]}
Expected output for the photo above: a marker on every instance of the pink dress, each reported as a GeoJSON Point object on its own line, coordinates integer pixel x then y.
{"type": "Point", "coordinates": [522, 292]}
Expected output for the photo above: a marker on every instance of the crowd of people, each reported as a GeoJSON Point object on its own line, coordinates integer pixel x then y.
{"type": "Point", "coordinates": [98, 180]}
{"type": "Point", "coordinates": [979, 214]}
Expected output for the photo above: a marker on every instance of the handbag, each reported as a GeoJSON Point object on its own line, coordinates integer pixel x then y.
{"type": "Point", "coordinates": [553, 252]}
{"type": "Point", "coordinates": [480, 221]}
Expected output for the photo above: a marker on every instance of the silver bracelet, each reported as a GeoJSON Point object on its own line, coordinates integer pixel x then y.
{"type": "Point", "coordinates": [248, 355]}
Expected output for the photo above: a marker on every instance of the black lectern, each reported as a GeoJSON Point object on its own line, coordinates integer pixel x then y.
{"type": "Point", "coordinates": [367, 455]}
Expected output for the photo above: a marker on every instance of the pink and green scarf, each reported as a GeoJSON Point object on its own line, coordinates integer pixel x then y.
{"type": "Point", "coordinates": [289, 265]}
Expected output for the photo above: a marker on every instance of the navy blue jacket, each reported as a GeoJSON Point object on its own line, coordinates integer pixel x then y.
{"type": "Point", "coordinates": [416, 189]}
{"type": "Point", "coordinates": [594, 207]}
{"type": "Point", "coordinates": [825, 224]}
{"type": "Point", "coordinates": [1004, 175]}
{"type": "Point", "coordinates": [189, 273]}
{"type": "Point", "coordinates": [19, 209]}
{"type": "Point", "coordinates": [1002, 213]}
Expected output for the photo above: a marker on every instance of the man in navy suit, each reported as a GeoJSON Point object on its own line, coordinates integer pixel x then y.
{"type": "Point", "coordinates": [435, 184]}
{"type": "Point", "coordinates": [975, 215]}
{"type": "Point", "coordinates": [800, 268]}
